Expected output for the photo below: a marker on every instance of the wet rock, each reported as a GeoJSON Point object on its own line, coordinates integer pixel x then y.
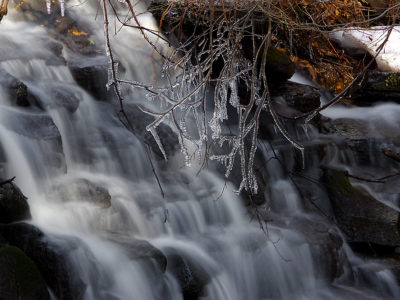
{"type": "Point", "coordinates": [50, 258]}
{"type": "Point", "coordinates": [377, 87]}
{"type": "Point", "coordinates": [141, 250]}
{"type": "Point", "coordinates": [13, 204]}
{"type": "Point", "coordinates": [326, 246]}
{"type": "Point", "coordinates": [35, 126]}
{"type": "Point", "coordinates": [358, 138]}
{"type": "Point", "coordinates": [16, 90]}
{"type": "Point", "coordinates": [303, 98]}
{"type": "Point", "coordinates": [92, 76]}
{"type": "Point", "coordinates": [81, 189]}
{"type": "Point", "coordinates": [43, 132]}
{"type": "Point", "coordinates": [347, 128]}
{"type": "Point", "coordinates": [361, 217]}
{"type": "Point", "coordinates": [191, 277]}
{"type": "Point", "coordinates": [62, 97]}
{"type": "Point", "coordinates": [19, 276]}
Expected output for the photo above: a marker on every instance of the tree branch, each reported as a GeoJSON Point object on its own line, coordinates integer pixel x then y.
{"type": "Point", "coordinates": [3, 8]}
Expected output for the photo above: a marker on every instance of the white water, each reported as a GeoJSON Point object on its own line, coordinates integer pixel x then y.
{"type": "Point", "coordinates": [210, 229]}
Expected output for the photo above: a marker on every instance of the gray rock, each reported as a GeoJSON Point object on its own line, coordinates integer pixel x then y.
{"type": "Point", "coordinates": [141, 250]}
{"type": "Point", "coordinates": [62, 96]}
{"type": "Point", "coordinates": [32, 125]}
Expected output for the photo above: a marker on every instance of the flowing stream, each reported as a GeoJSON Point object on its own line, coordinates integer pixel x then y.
{"type": "Point", "coordinates": [212, 241]}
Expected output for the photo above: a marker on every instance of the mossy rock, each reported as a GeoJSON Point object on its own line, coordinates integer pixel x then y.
{"type": "Point", "coordinates": [13, 205]}
{"type": "Point", "coordinates": [359, 215]}
{"type": "Point", "coordinates": [20, 279]}
{"type": "Point", "coordinates": [51, 256]}
{"type": "Point", "coordinates": [388, 82]}
{"type": "Point", "coordinates": [280, 64]}
{"type": "Point", "coordinates": [377, 86]}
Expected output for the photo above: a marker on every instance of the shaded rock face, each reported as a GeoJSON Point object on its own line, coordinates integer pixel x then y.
{"type": "Point", "coordinates": [19, 276]}
{"type": "Point", "coordinates": [82, 189]}
{"type": "Point", "coordinates": [361, 217]}
{"type": "Point", "coordinates": [13, 204]}
{"type": "Point", "coordinates": [51, 259]}
{"type": "Point", "coordinates": [191, 277]}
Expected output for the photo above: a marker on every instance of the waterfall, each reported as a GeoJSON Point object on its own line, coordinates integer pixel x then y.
{"type": "Point", "coordinates": [68, 146]}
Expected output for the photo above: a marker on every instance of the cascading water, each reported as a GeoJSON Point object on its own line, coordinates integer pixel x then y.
{"type": "Point", "coordinates": [68, 141]}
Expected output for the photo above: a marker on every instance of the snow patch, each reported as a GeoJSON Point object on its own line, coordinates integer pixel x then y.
{"type": "Point", "coordinates": [369, 40]}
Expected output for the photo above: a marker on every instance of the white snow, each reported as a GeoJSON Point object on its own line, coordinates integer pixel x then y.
{"type": "Point", "coordinates": [369, 40]}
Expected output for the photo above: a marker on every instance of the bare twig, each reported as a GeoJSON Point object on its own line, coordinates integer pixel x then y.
{"type": "Point", "coordinates": [7, 181]}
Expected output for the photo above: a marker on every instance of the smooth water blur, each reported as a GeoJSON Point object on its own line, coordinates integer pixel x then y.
{"type": "Point", "coordinates": [200, 218]}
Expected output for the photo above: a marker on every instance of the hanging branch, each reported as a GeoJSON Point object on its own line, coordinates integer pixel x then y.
{"type": "Point", "coordinates": [115, 82]}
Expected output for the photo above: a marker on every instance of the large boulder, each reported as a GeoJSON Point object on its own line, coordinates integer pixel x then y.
{"type": "Point", "coordinates": [360, 216]}
{"type": "Point", "coordinates": [61, 96]}
{"type": "Point", "coordinates": [81, 189]}
{"type": "Point", "coordinates": [20, 277]}
{"type": "Point", "coordinates": [92, 75]}
{"type": "Point", "coordinates": [13, 204]}
{"type": "Point", "coordinates": [42, 132]}
{"type": "Point", "coordinates": [50, 258]}
{"type": "Point", "coordinates": [32, 125]}
{"type": "Point", "coordinates": [141, 250]}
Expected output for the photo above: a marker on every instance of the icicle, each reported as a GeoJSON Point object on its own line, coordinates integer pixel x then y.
{"type": "Point", "coordinates": [48, 5]}
{"type": "Point", "coordinates": [158, 141]}
{"type": "Point", "coordinates": [62, 5]}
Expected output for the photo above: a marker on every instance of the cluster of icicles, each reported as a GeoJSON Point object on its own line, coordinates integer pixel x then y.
{"type": "Point", "coordinates": [62, 6]}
